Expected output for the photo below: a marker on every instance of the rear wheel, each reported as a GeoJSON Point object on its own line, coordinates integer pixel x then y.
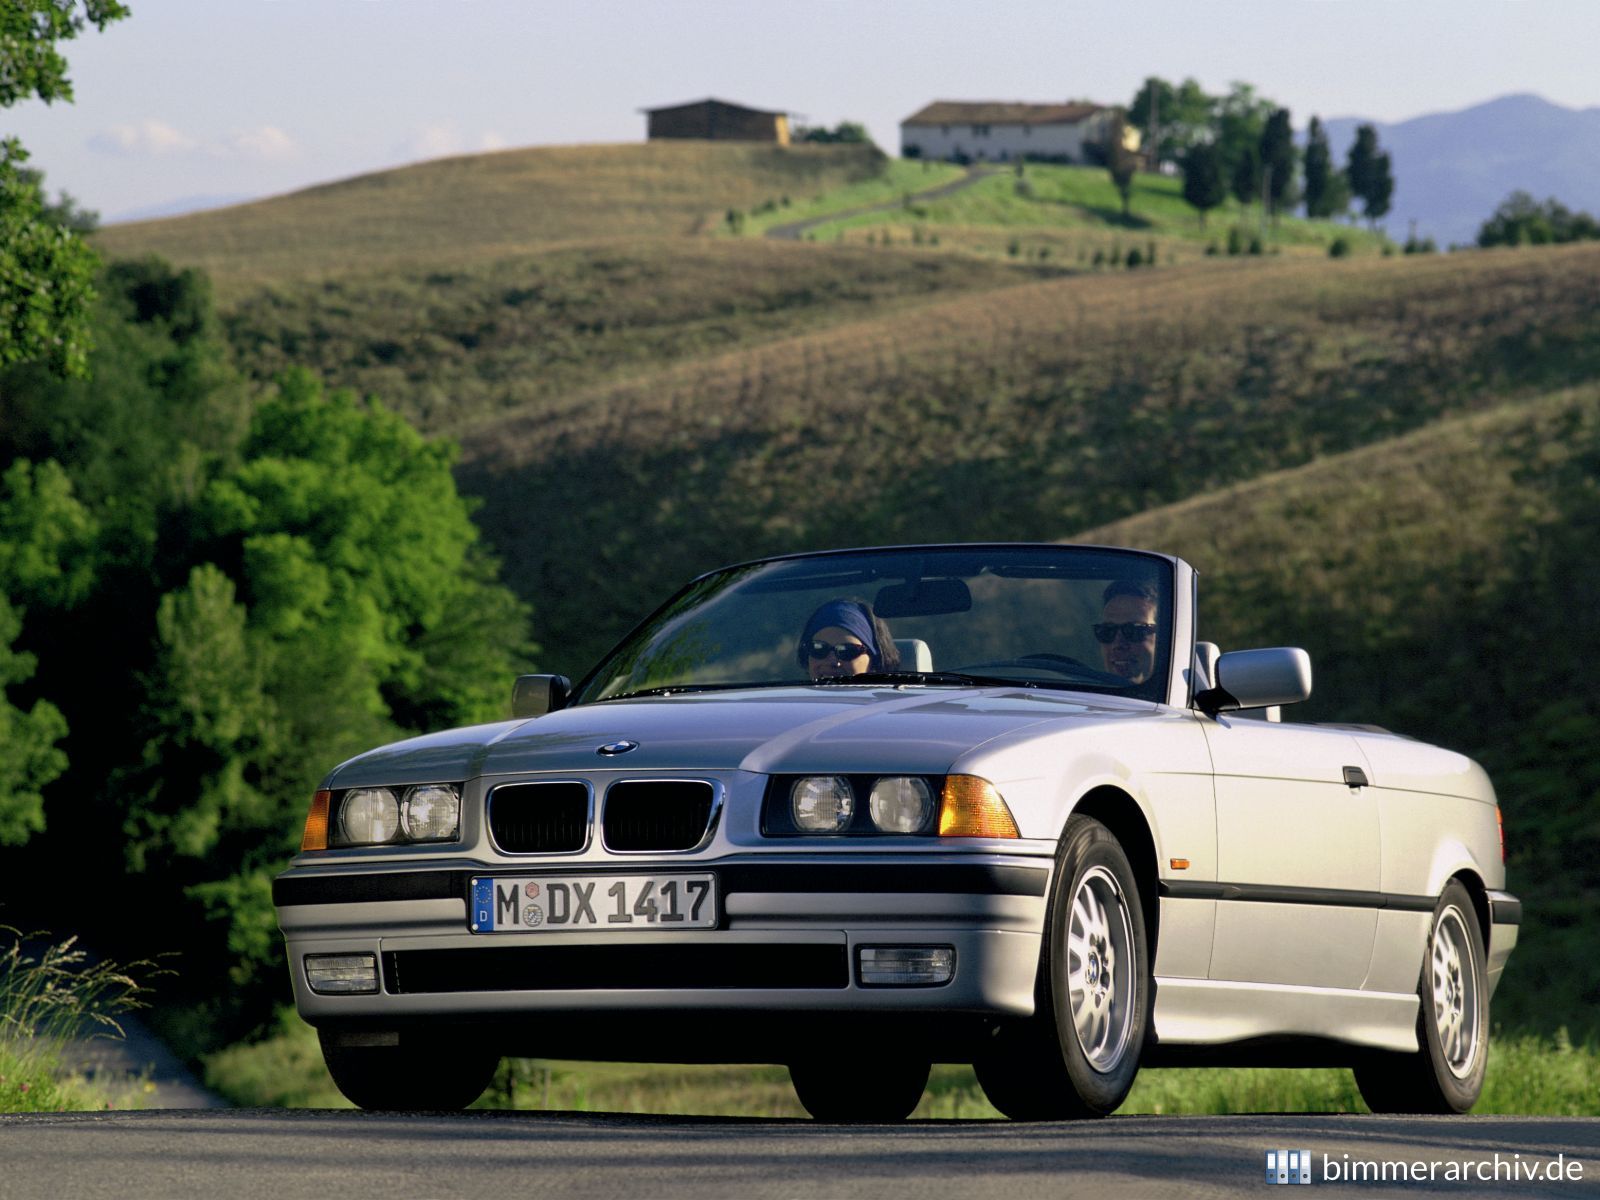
{"type": "Point", "coordinates": [1079, 1054]}
{"type": "Point", "coordinates": [875, 1092]}
{"type": "Point", "coordinates": [409, 1077]}
{"type": "Point", "coordinates": [1446, 1075]}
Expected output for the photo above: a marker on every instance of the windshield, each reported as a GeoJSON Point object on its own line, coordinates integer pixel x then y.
{"type": "Point", "coordinates": [1040, 616]}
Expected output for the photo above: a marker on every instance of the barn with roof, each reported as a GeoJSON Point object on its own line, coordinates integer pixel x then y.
{"type": "Point", "coordinates": [998, 131]}
{"type": "Point", "coordinates": [717, 120]}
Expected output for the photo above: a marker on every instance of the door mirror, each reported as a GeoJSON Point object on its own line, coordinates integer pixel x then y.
{"type": "Point", "coordinates": [1258, 679]}
{"type": "Point", "coordinates": [535, 695]}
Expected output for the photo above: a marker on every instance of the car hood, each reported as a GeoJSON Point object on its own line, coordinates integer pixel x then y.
{"type": "Point", "coordinates": [771, 730]}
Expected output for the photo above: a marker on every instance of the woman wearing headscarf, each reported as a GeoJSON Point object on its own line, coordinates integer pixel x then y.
{"type": "Point", "coordinates": [845, 637]}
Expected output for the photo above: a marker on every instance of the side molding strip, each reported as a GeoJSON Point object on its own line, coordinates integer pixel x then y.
{"type": "Point", "coordinates": [1262, 893]}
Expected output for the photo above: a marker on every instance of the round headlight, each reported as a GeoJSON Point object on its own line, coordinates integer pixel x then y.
{"type": "Point", "coordinates": [431, 813]}
{"type": "Point", "coordinates": [822, 803]}
{"type": "Point", "coordinates": [901, 804]}
{"type": "Point", "coordinates": [367, 816]}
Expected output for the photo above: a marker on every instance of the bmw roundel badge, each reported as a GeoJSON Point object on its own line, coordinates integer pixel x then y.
{"type": "Point", "coordinates": [612, 749]}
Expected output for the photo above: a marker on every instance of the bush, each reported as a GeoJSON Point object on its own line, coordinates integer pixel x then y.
{"type": "Point", "coordinates": [1255, 245]}
{"type": "Point", "coordinates": [1235, 241]}
{"type": "Point", "coordinates": [1339, 247]}
{"type": "Point", "coordinates": [1135, 259]}
{"type": "Point", "coordinates": [1421, 246]}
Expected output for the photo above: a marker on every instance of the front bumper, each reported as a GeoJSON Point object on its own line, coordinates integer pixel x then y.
{"type": "Point", "coordinates": [787, 942]}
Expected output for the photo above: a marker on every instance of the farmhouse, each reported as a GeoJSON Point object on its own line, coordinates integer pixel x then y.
{"type": "Point", "coordinates": [971, 131]}
{"type": "Point", "coordinates": [718, 120]}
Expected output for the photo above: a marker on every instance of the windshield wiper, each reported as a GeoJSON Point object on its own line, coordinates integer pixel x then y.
{"type": "Point", "coordinates": [673, 689]}
{"type": "Point", "coordinates": [955, 677]}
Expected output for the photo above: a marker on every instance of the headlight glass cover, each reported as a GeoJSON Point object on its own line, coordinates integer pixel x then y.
{"type": "Point", "coordinates": [368, 816]}
{"type": "Point", "coordinates": [901, 804]}
{"type": "Point", "coordinates": [431, 813]}
{"type": "Point", "coordinates": [822, 803]}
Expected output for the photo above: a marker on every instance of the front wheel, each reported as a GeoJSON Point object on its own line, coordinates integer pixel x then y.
{"type": "Point", "coordinates": [871, 1091]}
{"type": "Point", "coordinates": [1079, 1054]}
{"type": "Point", "coordinates": [1446, 1075]}
{"type": "Point", "coordinates": [409, 1077]}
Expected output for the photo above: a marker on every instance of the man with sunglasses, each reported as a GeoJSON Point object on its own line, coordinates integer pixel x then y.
{"type": "Point", "coordinates": [1126, 630]}
{"type": "Point", "coordinates": [845, 637]}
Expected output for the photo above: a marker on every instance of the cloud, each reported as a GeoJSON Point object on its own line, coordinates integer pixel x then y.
{"type": "Point", "coordinates": [268, 142]}
{"type": "Point", "coordinates": [149, 136]}
{"type": "Point", "coordinates": [441, 139]}
{"type": "Point", "coordinates": [155, 137]}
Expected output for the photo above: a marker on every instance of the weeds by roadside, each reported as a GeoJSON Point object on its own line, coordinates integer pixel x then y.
{"type": "Point", "coordinates": [50, 993]}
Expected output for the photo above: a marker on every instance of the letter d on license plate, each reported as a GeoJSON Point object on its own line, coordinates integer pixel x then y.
{"type": "Point", "coordinates": [592, 903]}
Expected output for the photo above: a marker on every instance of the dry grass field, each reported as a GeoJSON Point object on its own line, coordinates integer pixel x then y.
{"type": "Point", "coordinates": [1017, 413]}
{"type": "Point", "coordinates": [455, 211]}
{"type": "Point", "coordinates": [457, 345]}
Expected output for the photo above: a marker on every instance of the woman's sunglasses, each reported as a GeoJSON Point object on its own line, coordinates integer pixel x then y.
{"type": "Point", "coordinates": [1131, 631]}
{"type": "Point", "coordinates": [843, 651]}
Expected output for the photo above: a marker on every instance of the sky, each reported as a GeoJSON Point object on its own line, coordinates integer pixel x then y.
{"type": "Point", "coordinates": [235, 99]}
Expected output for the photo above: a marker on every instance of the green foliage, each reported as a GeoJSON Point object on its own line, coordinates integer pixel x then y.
{"type": "Point", "coordinates": [1320, 196]}
{"type": "Point", "coordinates": [1202, 179]}
{"type": "Point", "coordinates": [850, 132]}
{"type": "Point", "coordinates": [1339, 247]}
{"type": "Point", "coordinates": [1121, 162]}
{"type": "Point", "coordinates": [45, 274]}
{"type": "Point", "coordinates": [1184, 116]}
{"type": "Point", "coordinates": [1370, 174]}
{"type": "Point", "coordinates": [1523, 221]}
{"type": "Point", "coordinates": [45, 268]}
{"type": "Point", "coordinates": [30, 64]}
{"type": "Point", "coordinates": [1277, 157]}
{"type": "Point", "coordinates": [225, 598]}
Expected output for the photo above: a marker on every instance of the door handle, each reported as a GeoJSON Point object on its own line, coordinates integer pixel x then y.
{"type": "Point", "coordinates": [1355, 777]}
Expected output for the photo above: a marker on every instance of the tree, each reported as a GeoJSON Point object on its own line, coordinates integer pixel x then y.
{"type": "Point", "coordinates": [844, 132]}
{"type": "Point", "coordinates": [1277, 159]}
{"type": "Point", "coordinates": [45, 268]}
{"type": "Point", "coordinates": [1122, 157]}
{"type": "Point", "coordinates": [1319, 172]}
{"type": "Point", "coordinates": [1202, 179]}
{"type": "Point", "coordinates": [1240, 118]}
{"type": "Point", "coordinates": [1362, 165]}
{"type": "Point", "coordinates": [1381, 191]}
{"type": "Point", "coordinates": [1523, 221]}
{"type": "Point", "coordinates": [1177, 118]}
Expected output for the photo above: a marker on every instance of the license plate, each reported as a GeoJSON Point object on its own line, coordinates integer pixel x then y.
{"type": "Point", "coordinates": [593, 903]}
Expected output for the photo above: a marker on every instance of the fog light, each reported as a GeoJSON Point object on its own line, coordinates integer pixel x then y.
{"type": "Point", "coordinates": [342, 974]}
{"type": "Point", "coordinates": [906, 966]}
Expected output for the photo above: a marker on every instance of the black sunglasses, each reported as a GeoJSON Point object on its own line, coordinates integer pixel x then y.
{"type": "Point", "coordinates": [1131, 631]}
{"type": "Point", "coordinates": [844, 651]}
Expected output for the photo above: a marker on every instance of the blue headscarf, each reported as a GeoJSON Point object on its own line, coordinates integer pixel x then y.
{"type": "Point", "coordinates": [848, 615]}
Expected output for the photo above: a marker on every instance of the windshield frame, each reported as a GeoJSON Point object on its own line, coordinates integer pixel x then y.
{"type": "Point", "coordinates": [1179, 619]}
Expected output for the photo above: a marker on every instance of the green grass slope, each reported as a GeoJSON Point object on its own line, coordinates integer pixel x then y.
{"type": "Point", "coordinates": [1012, 414]}
{"type": "Point", "coordinates": [457, 210]}
{"type": "Point", "coordinates": [1443, 583]}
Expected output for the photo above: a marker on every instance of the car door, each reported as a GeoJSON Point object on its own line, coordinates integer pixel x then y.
{"type": "Point", "coordinates": [1297, 854]}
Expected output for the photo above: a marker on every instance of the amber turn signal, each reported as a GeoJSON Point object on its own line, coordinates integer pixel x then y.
{"type": "Point", "coordinates": [970, 807]}
{"type": "Point", "coordinates": [316, 834]}
{"type": "Point", "coordinates": [1500, 824]}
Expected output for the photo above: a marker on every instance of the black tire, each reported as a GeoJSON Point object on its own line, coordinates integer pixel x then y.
{"type": "Point", "coordinates": [876, 1092]}
{"type": "Point", "coordinates": [1044, 1069]}
{"type": "Point", "coordinates": [408, 1077]}
{"type": "Point", "coordinates": [1446, 1075]}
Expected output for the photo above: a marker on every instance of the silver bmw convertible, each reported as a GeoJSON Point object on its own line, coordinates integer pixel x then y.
{"type": "Point", "coordinates": [862, 811]}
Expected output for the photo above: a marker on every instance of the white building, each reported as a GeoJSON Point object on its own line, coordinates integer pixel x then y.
{"type": "Point", "coordinates": [996, 131]}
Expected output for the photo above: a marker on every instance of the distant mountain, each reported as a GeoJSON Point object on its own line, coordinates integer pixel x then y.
{"type": "Point", "coordinates": [175, 208]}
{"type": "Point", "coordinates": [1453, 169]}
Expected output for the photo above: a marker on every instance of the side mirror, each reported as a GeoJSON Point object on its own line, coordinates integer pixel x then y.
{"type": "Point", "coordinates": [1258, 679]}
{"type": "Point", "coordinates": [535, 695]}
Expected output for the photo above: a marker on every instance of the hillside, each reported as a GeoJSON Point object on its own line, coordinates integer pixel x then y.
{"type": "Point", "coordinates": [1453, 169]}
{"type": "Point", "coordinates": [1437, 580]}
{"type": "Point", "coordinates": [458, 210]}
{"type": "Point", "coordinates": [1009, 414]}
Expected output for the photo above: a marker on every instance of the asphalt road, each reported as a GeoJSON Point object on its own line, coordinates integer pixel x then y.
{"type": "Point", "coordinates": [259, 1153]}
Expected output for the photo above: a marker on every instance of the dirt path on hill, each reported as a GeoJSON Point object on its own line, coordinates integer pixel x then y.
{"type": "Point", "coordinates": [796, 230]}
